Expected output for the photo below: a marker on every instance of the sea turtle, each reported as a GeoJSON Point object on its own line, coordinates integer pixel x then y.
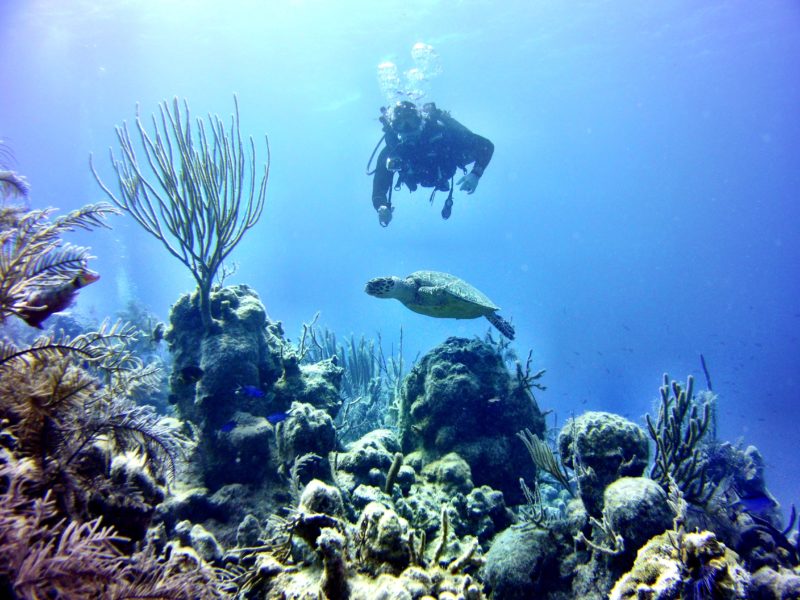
{"type": "Point", "coordinates": [439, 295]}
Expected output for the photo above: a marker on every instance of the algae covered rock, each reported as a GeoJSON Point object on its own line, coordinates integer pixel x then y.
{"type": "Point", "coordinates": [690, 565]}
{"type": "Point", "coordinates": [367, 460]}
{"type": "Point", "coordinates": [385, 539]}
{"type": "Point", "coordinates": [780, 584]}
{"type": "Point", "coordinates": [241, 451]}
{"type": "Point", "coordinates": [523, 563]}
{"type": "Point", "coordinates": [306, 430]}
{"type": "Point", "coordinates": [319, 497]}
{"type": "Point", "coordinates": [602, 447]}
{"type": "Point", "coordinates": [451, 472]}
{"type": "Point", "coordinates": [636, 508]}
{"type": "Point", "coordinates": [316, 384]}
{"type": "Point", "coordinates": [217, 375]}
{"type": "Point", "coordinates": [461, 398]}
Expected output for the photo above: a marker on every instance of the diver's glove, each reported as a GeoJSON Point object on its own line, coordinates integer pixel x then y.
{"type": "Point", "coordinates": [385, 215]}
{"type": "Point", "coordinates": [468, 182]}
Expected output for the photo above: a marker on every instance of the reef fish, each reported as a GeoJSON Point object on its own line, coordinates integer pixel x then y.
{"type": "Point", "coordinates": [46, 301]}
{"type": "Point", "coordinates": [228, 427]}
{"type": "Point", "coordinates": [250, 390]}
{"type": "Point", "coordinates": [277, 417]}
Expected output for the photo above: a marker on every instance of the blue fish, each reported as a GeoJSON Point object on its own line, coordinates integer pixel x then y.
{"type": "Point", "coordinates": [228, 427]}
{"type": "Point", "coordinates": [277, 417]}
{"type": "Point", "coordinates": [252, 391]}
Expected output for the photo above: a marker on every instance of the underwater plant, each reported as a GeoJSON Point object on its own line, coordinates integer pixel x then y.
{"type": "Point", "coordinates": [45, 556]}
{"type": "Point", "coordinates": [370, 381]}
{"type": "Point", "coordinates": [197, 198]}
{"type": "Point", "coordinates": [545, 458]}
{"type": "Point", "coordinates": [79, 461]}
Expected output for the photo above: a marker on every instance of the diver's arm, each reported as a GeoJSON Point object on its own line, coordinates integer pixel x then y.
{"type": "Point", "coordinates": [482, 150]}
{"type": "Point", "coordinates": [473, 147]}
{"type": "Point", "coordinates": [381, 180]}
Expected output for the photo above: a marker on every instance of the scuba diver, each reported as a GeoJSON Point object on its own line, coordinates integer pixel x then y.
{"type": "Point", "coordinates": [425, 147]}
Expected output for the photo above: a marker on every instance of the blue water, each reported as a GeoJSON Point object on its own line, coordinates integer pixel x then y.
{"type": "Point", "coordinates": [641, 207]}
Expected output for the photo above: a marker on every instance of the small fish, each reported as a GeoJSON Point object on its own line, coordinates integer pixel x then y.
{"type": "Point", "coordinates": [45, 302]}
{"type": "Point", "coordinates": [277, 417]}
{"type": "Point", "coordinates": [228, 427]}
{"type": "Point", "coordinates": [190, 375]}
{"type": "Point", "coordinates": [252, 391]}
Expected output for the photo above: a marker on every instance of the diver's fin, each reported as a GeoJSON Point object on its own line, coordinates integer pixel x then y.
{"type": "Point", "coordinates": [447, 209]}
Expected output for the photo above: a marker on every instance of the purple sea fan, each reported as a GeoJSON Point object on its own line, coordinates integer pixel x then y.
{"type": "Point", "coordinates": [13, 184]}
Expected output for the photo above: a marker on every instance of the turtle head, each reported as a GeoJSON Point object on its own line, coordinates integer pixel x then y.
{"type": "Point", "coordinates": [382, 287]}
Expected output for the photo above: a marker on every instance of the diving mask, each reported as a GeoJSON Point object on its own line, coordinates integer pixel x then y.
{"type": "Point", "coordinates": [405, 120]}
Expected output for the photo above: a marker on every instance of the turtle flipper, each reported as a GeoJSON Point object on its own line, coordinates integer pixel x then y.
{"type": "Point", "coordinates": [502, 325]}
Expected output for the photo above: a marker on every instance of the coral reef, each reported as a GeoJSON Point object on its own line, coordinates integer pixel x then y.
{"type": "Point", "coordinates": [276, 483]}
{"type": "Point", "coordinates": [80, 463]}
{"type": "Point", "coordinates": [461, 398]}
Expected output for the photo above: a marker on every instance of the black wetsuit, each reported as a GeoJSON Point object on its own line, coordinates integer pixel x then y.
{"type": "Point", "coordinates": [431, 160]}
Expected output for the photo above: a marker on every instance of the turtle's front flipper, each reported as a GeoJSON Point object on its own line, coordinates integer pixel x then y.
{"type": "Point", "coordinates": [502, 325]}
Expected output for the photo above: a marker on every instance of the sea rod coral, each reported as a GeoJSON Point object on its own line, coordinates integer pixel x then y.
{"type": "Point", "coordinates": [198, 198]}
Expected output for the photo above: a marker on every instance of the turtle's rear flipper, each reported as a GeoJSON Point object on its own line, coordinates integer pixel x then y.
{"type": "Point", "coordinates": [502, 325]}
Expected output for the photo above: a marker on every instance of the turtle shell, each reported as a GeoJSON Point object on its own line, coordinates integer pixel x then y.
{"type": "Point", "coordinates": [445, 295]}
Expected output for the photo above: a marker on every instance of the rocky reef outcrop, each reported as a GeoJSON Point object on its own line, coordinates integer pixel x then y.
{"type": "Point", "coordinates": [237, 385]}
{"type": "Point", "coordinates": [461, 398]}
{"type": "Point", "coordinates": [600, 448]}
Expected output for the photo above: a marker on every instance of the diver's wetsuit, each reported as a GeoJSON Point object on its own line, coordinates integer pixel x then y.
{"type": "Point", "coordinates": [432, 159]}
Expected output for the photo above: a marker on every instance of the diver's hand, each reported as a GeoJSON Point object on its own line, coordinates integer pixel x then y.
{"type": "Point", "coordinates": [385, 215]}
{"type": "Point", "coordinates": [468, 182]}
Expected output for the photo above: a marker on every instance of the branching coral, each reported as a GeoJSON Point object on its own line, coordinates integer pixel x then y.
{"type": "Point", "coordinates": [196, 197]}
{"type": "Point", "coordinates": [678, 432]}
